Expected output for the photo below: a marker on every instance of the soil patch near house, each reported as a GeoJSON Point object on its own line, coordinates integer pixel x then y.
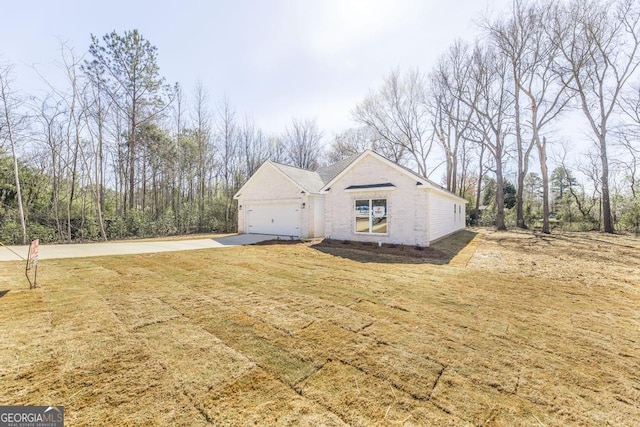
{"type": "Point", "coordinates": [440, 252]}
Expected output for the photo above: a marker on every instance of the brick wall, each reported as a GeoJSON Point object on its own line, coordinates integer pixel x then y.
{"type": "Point", "coordinates": [406, 205]}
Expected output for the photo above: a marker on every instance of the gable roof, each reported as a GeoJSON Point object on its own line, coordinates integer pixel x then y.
{"type": "Point", "coordinates": [421, 180]}
{"type": "Point", "coordinates": [310, 181]}
{"type": "Point", "coordinates": [418, 178]}
{"type": "Point", "coordinates": [321, 180]}
{"type": "Point", "coordinates": [307, 180]}
{"type": "Point", "coordinates": [327, 173]}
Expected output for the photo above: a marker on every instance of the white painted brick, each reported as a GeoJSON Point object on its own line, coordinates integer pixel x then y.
{"type": "Point", "coordinates": [268, 185]}
{"type": "Point", "coordinates": [416, 215]}
{"type": "Point", "coordinates": [406, 205]}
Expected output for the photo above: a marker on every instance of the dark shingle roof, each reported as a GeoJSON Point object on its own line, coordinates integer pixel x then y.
{"type": "Point", "coordinates": [327, 173]}
{"type": "Point", "coordinates": [310, 181]}
{"type": "Point", "coordinates": [313, 181]}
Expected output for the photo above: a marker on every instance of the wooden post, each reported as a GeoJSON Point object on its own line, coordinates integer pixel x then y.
{"type": "Point", "coordinates": [32, 262]}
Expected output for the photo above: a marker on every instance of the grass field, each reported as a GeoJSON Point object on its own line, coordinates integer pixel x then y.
{"type": "Point", "coordinates": [498, 329]}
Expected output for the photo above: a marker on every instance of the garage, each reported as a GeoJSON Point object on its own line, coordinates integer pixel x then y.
{"type": "Point", "coordinates": [274, 218]}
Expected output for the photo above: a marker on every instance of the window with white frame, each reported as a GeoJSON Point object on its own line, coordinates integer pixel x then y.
{"type": "Point", "coordinates": [371, 216]}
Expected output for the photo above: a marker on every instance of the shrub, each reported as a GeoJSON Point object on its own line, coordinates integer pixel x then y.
{"type": "Point", "coordinates": [42, 232]}
{"type": "Point", "coordinates": [10, 233]}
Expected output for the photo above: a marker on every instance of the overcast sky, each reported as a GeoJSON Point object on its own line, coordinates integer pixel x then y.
{"type": "Point", "coordinates": [273, 59]}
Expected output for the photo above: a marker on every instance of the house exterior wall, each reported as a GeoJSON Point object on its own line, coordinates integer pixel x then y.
{"type": "Point", "coordinates": [406, 204]}
{"type": "Point", "coordinates": [447, 214]}
{"type": "Point", "coordinates": [268, 185]}
{"type": "Point", "coordinates": [316, 222]}
{"type": "Point", "coordinates": [416, 214]}
{"type": "Point", "coordinates": [306, 215]}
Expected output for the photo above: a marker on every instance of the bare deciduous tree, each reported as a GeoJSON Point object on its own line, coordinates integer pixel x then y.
{"type": "Point", "coordinates": [254, 144]}
{"type": "Point", "coordinates": [302, 140]}
{"type": "Point", "coordinates": [49, 116]}
{"type": "Point", "coordinates": [629, 136]}
{"type": "Point", "coordinates": [491, 101]}
{"type": "Point", "coordinates": [451, 118]}
{"type": "Point", "coordinates": [227, 151]}
{"type": "Point", "coordinates": [599, 43]}
{"type": "Point", "coordinates": [8, 104]}
{"type": "Point", "coordinates": [525, 40]}
{"type": "Point", "coordinates": [350, 142]}
{"type": "Point", "coordinates": [398, 114]}
{"type": "Point", "coordinates": [202, 120]}
{"type": "Point", "coordinates": [277, 151]}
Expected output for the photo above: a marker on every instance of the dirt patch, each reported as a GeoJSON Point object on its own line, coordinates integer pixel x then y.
{"type": "Point", "coordinates": [440, 252]}
{"type": "Point", "coordinates": [291, 241]}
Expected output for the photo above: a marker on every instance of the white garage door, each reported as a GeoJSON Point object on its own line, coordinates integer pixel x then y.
{"type": "Point", "coordinates": [282, 219]}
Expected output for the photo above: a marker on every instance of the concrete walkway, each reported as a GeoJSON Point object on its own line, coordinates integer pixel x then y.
{"type": "Point", "coordinates": [18, 253]}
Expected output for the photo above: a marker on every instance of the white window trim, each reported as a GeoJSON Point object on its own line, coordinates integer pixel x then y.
{"type": "Point", "coordinates": [355, 222]}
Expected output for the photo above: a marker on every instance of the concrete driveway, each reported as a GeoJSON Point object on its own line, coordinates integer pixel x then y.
{"type": "Point", "coordinates": [54, 251]}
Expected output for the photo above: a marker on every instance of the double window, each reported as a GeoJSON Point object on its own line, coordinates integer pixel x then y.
{"type": "Point", "coordinates": [371, 216]}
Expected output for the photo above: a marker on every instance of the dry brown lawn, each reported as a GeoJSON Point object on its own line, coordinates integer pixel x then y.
{"type": "Point", "coordinates": [503, 329]}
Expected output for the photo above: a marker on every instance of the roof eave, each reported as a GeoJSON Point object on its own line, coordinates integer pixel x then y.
{"type": "Point", "coordinates": [239, 192]}
{"type": "Point", "coordinates": [274, 166]}
{"type": "Point", "coordinates": [443, 191]}
{"type": "Point", "coordinates": [369, 152]}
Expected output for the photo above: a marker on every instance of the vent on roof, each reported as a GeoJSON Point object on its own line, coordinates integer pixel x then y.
{"type": "Point", "coordinates": [386, 185]}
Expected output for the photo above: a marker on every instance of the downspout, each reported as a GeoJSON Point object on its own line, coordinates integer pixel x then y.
{"type": "Point", "coordinates": [428, 191]}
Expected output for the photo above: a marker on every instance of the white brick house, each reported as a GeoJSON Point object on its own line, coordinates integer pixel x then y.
{"type": "Point", "coordinates": [362, 198]}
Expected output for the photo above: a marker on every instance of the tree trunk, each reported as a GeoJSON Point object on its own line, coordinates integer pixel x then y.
{"type": "Point", "coordinates": [606, 201]}
{"type": "Point", "coordinates": [522, 160]}
{"type": "Point", "coordinates": [72, 192]}
{"type": "Point", "coordinates": [55, 191]}
{"type": "Point", "coordinates": [520, 222]}
{"type": "Point", "coordinates": [542, 154]}
{"type": "Point", "coordinates": [462, 183]}
{"type": "Point", "coordinates": [100, 190]}
{"type": "Point", "coordinates": [143, 170]}
{"type": "Point", "coordinates": [132, 163]}
{"type": "Point", "coordinates": [500, 225]}
{"type": "Point", "coordinates": [454, 174]}
{"type": "Point", "coordinates": [479, 189]}
{"type": "Point", "coordinates": [16, 171]}
{"type": "Point", "coordinates": [100, 177]}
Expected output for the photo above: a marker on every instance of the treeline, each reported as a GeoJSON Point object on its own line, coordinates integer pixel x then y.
{"type": "Point", "coordinates": [492, 109]}
{"type": "Point", "coordinates": [117, 152]}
